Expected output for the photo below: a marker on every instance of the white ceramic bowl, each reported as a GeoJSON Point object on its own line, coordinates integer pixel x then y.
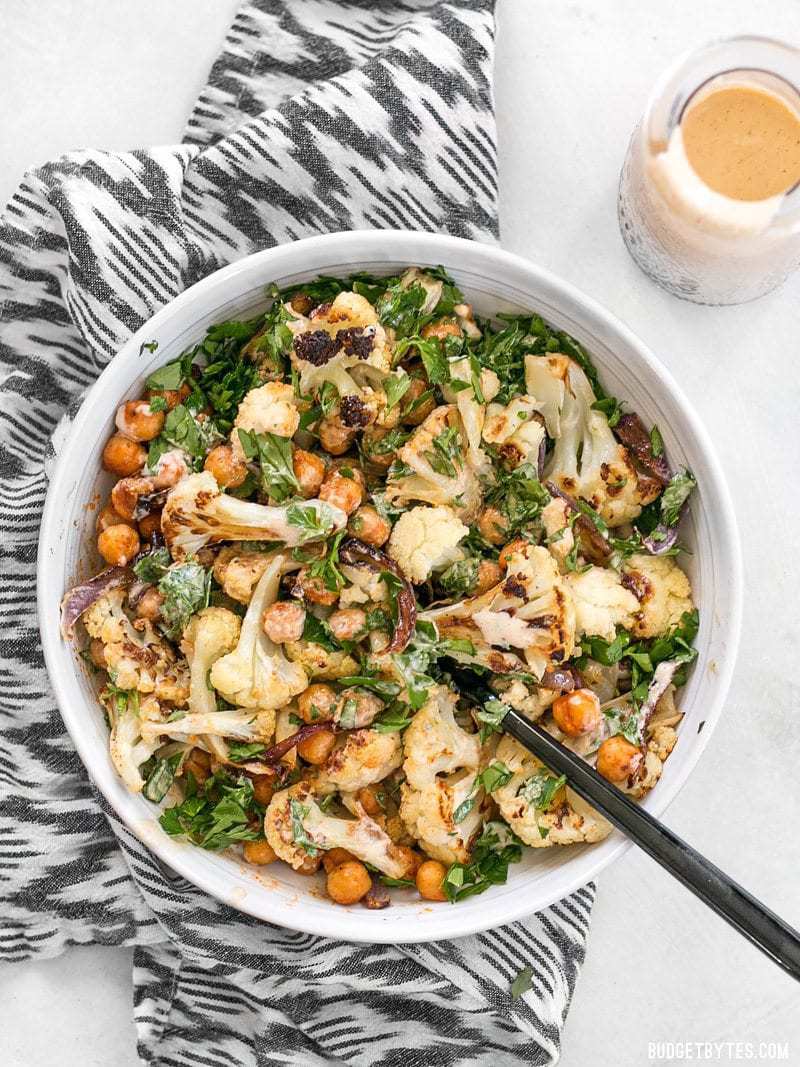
{"type": "Point", "coordinates": [493, 281]}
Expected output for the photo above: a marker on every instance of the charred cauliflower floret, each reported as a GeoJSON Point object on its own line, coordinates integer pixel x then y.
{"type": "Point", "coordinates": [342, 343]}
{"type": "Point", "coordinates": [238, 570]}
{"type": "Point", "coordinates": [538, 807]}
{"type": "Point", "coordinates": [297, 828]}
{"type": "Point", "coordinates": [434, 467]}
{"type": "Point", "coordinates": [560, 538]}
{"type": "Point", "coordinates": [129, 745]}
{"type": "Point", "coordinates": [662, 590]}
{"type": "Point", "coordinates": [425, 539]}
{"type": "Point", "coordinates": [602, 603]}
{"type": "Point", "coordinates": [533, 703]}
{"type": "Point", "coordinates": [256, 674]}
{"type": "Point", "coordinates": [472, 406]}
{"type": "Point", "coordinates": [587, 461]}
{"type": "Point", "coordinates": [530, 609]}
{"type": "Point", "coordinates": [321, 664]}
{"type": "Point", "coordinates": [136, 659]}
{"type": "Point", "coordinates": [364, 757]}
{"type": "Point", "coordinates": [441, 765]}
{"type": "Point", "coordinates": [271, 408]}
{"type": "Point", "coordinates": [516, 430]}
{"type": "Point", "coordinates": [197, 513]}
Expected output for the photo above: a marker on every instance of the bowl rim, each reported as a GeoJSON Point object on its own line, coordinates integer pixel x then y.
{"type": "Point", "coordinates": [383, 244]}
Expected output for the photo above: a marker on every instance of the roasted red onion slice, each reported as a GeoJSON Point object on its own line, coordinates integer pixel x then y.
{"type": "Point", "coordinates": [595, 546]}
{"type": "Point", "coordinates": [631, 432]}
{"type": "Point", "coordinates": [562, 680]}
{"type": "Point", "coordinates": [277, 752]}
{"type": "Point", "coordinates": [661, 539]}
{"type": "Point", "coordinates": [79, 599]}
{"type": "Point", "coordinates": [355, 552]}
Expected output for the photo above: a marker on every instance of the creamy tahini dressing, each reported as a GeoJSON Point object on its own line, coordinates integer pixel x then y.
{"type": "Point", "coordinates": [731, 160]}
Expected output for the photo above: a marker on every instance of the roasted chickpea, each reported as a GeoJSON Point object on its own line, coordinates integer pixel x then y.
{"type": "Point", "coordinates": [118, 544]}
{"type": "Point", "coordinates": [317, 702]}
{"type": "Point", "coordinates": [315, 591]}
{"type": "Point", "coordinates": [309, 470]}
{"type": "Point", "coordinates": [259, 853]}
{"type": "Point", "coordinates": [489, 574]}
{"type": "Point", "coordinates": [369, 526]}
{"type": "Point", "coordinates": [109, 517]}
{"type": "Point", "coordinates": [318, 747]}
{"type": "Point", "coordinates": [149, 604]}
{"type": "Point", "coordinates": [334, 436]}
{"type": "Point", "coordinates": [349, 882]}
{"type": "Point", "coordinates": [284, 621]}
{"type": "Point", "coordinates": [171, 467]}
{"type": "Point", "coordinates": [618, 759]}
{"type": "Point", "coordinates": [412, 860]}
{"type": "Point", "coordinates": [122, 456]}
{"type": "Point", "coordinates": [507, 551]}
{"type": "Point", "coordinates": [347, 622]}
{"type": "Point", "coordinates": [341, 491]}
{"type": "Point", "coordinates": [379, 455]}
{"type": "Point", "coordinates": [578, 712]}
{"type": "Point", "coordinates": [125, 494]}
{"type": "Point", "coordinates": [335, 857]}
{"type": "Point", "coordinates": [368, 800]}
{"type": "Point", "coordinates": [415, 412]}
{"type": "Point", "coordinates": [137, 420]}
{"type": "Point", "coordinates": [264, 788]}
{"type": "Point", "coordinates": [492, 526]}
{"type": "Point", "coordinates": [198, 763]}
{"type": "Point", "coordinates": [357, 708]}
{"type": "Point", "coordinates": [442, 328]}
{"type": "Point", "coordinates": [150, 525]}
{"type": "Point", "coordinates": [97, 653]}
{"type": "Point", "coordinates": [310, 865]}
{"type": "Point", "coordinates": [172, 397]}
{"type": "Point", "coordinates": [301, 303]}
{"type": "Point", "coordinates": [228, 470]}
{"type": "Point", "coordinates": [430, 880]}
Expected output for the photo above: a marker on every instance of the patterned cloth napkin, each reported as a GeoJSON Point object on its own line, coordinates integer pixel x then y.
{"type": "Point", "coordinates": [319, 115]}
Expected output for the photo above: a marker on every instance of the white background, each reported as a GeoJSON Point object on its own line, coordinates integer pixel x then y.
{"type": "Point", "coordinates": [571, 80]}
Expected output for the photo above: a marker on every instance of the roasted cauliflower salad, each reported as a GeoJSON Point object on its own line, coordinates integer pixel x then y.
{"type": "Point", "coordinates": [324, 516]}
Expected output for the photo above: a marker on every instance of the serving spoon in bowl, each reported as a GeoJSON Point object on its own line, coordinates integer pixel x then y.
{"type": "Point", "coordinates": [753, 920]}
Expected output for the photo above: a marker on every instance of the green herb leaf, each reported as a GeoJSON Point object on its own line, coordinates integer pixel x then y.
{"type": "Point", "coordinates": [491, 716]}
{"type": "Point", "coordinates": [675, 496]}
{"type": "Point", "coordinates": [540, 789]}
{"type": "Point", "coordinates": [152, 567]}
{"type": "Point", "coordinates": [217, 813]}
{"type": "Point", "coordinates": [186, 588]}
{"type": "Point", "coordinates": [274, 454]}
{"type": "Point", "coordinates": [656, 442]}
{"type": "Point", "coordinates": [496, 848]}
{"type": "Point", "coordinates": [396, 386]}
{"type": "Point", "coordinates": [299, 835]}
{"type": "Point", "coordinates": [522, 983]}
{"type": "Point", "coordinates": [313, 522]}
{"type": "Point", "coordinates": [241, 751]}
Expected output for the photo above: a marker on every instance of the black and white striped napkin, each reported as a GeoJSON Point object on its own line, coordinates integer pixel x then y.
{"type": "Point", "coordinates": [319, 115]}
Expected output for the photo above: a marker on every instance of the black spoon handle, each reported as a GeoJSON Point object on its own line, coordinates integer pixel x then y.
{"type": "Point", "coordinates": [753, 920]}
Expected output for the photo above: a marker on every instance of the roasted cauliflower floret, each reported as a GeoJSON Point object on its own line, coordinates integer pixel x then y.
{"type": "Point", "coordinates": [425, 539]}
{"type": "Point", "coordinates": [516, 430]}
{"type": "Point", "coordinates": [587, 461]}
{"type": "Point", "coordinates": [601, 601]}
{"type": "Point", "coordinates": [364, 757]}
{"type": "Point", "coordinates": [271, 408]}
{"type": "Point", "coordinates": [471, 409]}
{"type": "Point", "coordinates": [533, 703]}
{"type": "Point", "coordinates": [196, 513]}
{"type": "Point", "coordinates": [539, 810]}
{"type": "Point", "coordinates": [297, 828]}
{"type": "Point", "coordinates": [136, 659]}
{"type": "Point", "coordinates": [128, 745]}
{"type": "Point", "coordinates": [434, 466]}
{"type": "Point", "coordinates": [320, 663]}
{"type": "Point", "coordinates": [560, 538]}
{"type": "Point", "coordinates": [441, 765]}
{"type": "Point", "coordinates": [238, 570]}
{"type": "Point", "coordinates": [531, 609]}
{"type": "Point", "coordinates": [342, 343]}
{"type": "Point", "coordinates": [256, 674]}
{"type": "Point", "coordinates": [662, 590]}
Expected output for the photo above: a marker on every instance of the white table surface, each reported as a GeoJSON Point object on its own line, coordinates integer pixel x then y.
{"type": "Point", "coordinates": [571, 79]}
